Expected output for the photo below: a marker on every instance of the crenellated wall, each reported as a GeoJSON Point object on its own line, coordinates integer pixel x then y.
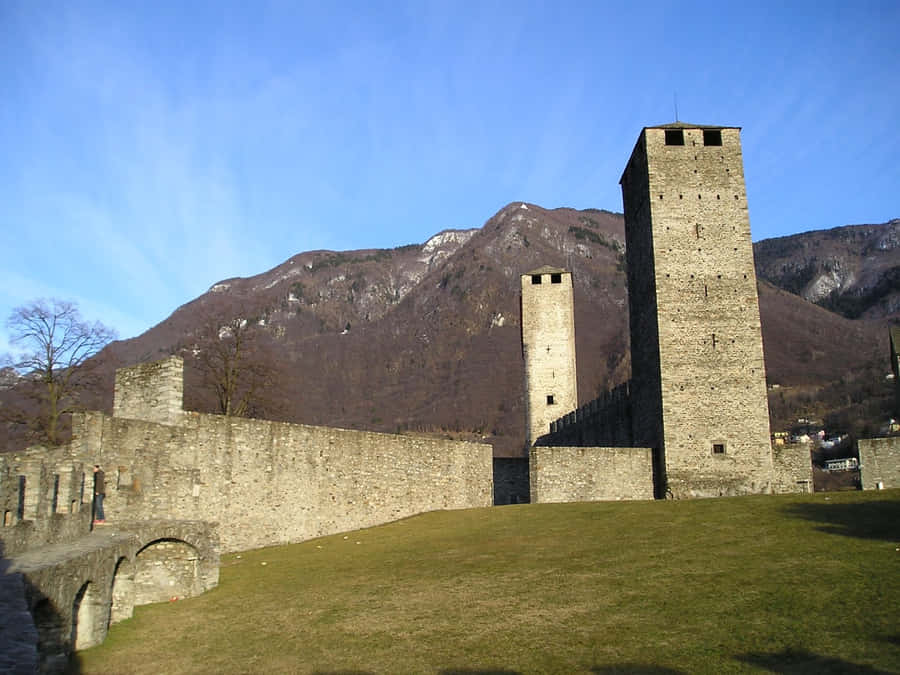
{"type": "Point", "coordinates": [45, 498]}
{"type": "Point", "coordinates": [605, 421]}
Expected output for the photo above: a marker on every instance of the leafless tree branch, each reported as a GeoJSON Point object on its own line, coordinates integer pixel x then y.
{"type": "Point", "coordinates": [54, 345]}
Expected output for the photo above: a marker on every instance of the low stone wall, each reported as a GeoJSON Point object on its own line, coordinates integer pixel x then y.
{"type": "Point", "coordinates": [573, 474]}
{"type": "Point", "coordinates": [268, 483]}
{"type": "Point", "coordinates": [792, 465]}
{"type": "Point", "coordinates": [879, 462]}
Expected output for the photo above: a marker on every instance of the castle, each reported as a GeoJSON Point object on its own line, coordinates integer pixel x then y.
{"type": "Point", "coordinates": [693, 421]}
{"type": "Point", "coordinates": [696, 405]}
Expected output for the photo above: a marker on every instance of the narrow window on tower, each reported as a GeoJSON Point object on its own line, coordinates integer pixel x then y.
{"type": "Point", "coordinates": [556, 278]}
{"type": "Point", "coordinates": [535, 278]}
{"type": "Point", "coordinates": [718, 448]}
{"type": "Point", "coordinates": [674, 136]}
{"type": "Point", "coordinates": [698, 229]}
{"type": "Point", "coordinates": [549, 399]}
{"type": "Point", "coordinates": [714, 340]}
{"type": "Point", "coordinates": [712, 137]}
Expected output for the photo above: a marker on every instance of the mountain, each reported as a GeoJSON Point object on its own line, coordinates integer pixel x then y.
{"type": "Point", "coordinates": [852, 270]}
{"type": "Point", "coordinates": [425, 337]}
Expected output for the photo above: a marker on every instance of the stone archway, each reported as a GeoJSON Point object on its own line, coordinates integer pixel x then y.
{"type": "Point", "coordinates": [121, 592]}
{"type": "Point", "coordinates": [165, 569]}
{"type": "Point", "coordinates": [88, 614]}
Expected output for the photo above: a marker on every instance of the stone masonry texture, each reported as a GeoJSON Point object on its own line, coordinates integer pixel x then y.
{"type": "Point", "coordinates": [698, 377]}
{"type": "Point", "coordinates": [151, 391]}
{"type": "Point", "coordinates": [548, 345]}
{"type": "Point", "coordinates": [879, 462]}
{"type": "Point", "coordinates": [567, 474]}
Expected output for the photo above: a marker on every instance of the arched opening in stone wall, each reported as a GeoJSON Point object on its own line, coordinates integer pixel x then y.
{"type": "Point", "coordinates": [52, 648]}
{"type": "Point", "coordinates": [88, 627]}
{"type": "Point", "coordinates": [166, 569]}
{"type": "Point", "coordinates": [122, 592]}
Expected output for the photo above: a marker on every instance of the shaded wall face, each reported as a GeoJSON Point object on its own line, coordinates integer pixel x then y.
{"type": "Point", "coordinates": [548, 344]}
{"type": "Point", "coordinates": [714, 411]}
{"type": "Point", "coordinates": [511, 480]}
{"type": "Point", "coordinates": [269, 483]}
{"type": "Point", "coordinates": [646, 402]}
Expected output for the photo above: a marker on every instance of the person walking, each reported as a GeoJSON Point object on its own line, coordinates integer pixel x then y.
{"type": "Point", "coordinates": [99, 494]}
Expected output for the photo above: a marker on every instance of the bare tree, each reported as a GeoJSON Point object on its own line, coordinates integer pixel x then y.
{"type": "Point", "coordinates": [54, 344]}
{"type": "Point", "coordinates": [236, 365]}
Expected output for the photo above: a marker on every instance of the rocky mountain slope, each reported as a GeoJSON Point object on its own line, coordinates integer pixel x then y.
{"type": "Point", "coordinates": [426, 337]}
{"type": "Point", "coordinates": [852, 270]}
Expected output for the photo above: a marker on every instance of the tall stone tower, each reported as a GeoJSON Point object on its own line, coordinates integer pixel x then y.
{"type": "Point", "coordinates": [548, 345]}
{"type": "Point", "coordinates": [698, 376]}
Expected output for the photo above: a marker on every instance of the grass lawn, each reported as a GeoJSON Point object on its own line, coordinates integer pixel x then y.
{"type": "Point", "coordinates": [789, 584]}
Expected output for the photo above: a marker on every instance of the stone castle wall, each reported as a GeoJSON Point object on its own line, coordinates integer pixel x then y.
{"type": "Point", "coordinates": [548, 345]}
{"type": "Point", "coordinates": [269, 483]}
{"type": "Point", "coordinates": [696, 339]}
{"type": "Point", "coordinates": [879, 462]}
{"type": "Point", "coordinates": [576, 474]}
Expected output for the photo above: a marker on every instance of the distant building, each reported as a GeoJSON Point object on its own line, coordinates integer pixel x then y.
{"type": "Point", "coordinates": [842, 464]}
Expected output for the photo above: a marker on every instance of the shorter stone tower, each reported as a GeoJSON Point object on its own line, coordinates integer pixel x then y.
{"type": "Point", "coordinates": [548, 345]}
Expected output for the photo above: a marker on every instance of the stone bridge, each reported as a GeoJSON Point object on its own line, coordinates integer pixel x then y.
{"type": "Point", "coordinates": [75, 590]}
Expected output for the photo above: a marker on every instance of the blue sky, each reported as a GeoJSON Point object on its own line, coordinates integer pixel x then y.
{"type": "Point", "coordinates": [148, 150]}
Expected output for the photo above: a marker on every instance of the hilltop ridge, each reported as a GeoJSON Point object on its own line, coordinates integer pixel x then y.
{"type": "Point", "coordinates": [425, 337]}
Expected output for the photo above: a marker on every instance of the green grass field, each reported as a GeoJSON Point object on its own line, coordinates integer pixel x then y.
{"type": "Point", "coordinates": [792, 584]}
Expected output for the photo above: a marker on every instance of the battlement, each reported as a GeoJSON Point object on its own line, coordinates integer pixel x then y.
{"type": "Point", "coordinates": [604, 421]}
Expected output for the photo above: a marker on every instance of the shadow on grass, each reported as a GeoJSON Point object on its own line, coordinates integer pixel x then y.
{"type": "Point", "coordinates": [866, 520]}
{"type": "Point", "coordinates": [800, 662]}
{"type": "Point", "coordinates": [634, 669]}
{"type": "Point", "coordinates": [478, 671]}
